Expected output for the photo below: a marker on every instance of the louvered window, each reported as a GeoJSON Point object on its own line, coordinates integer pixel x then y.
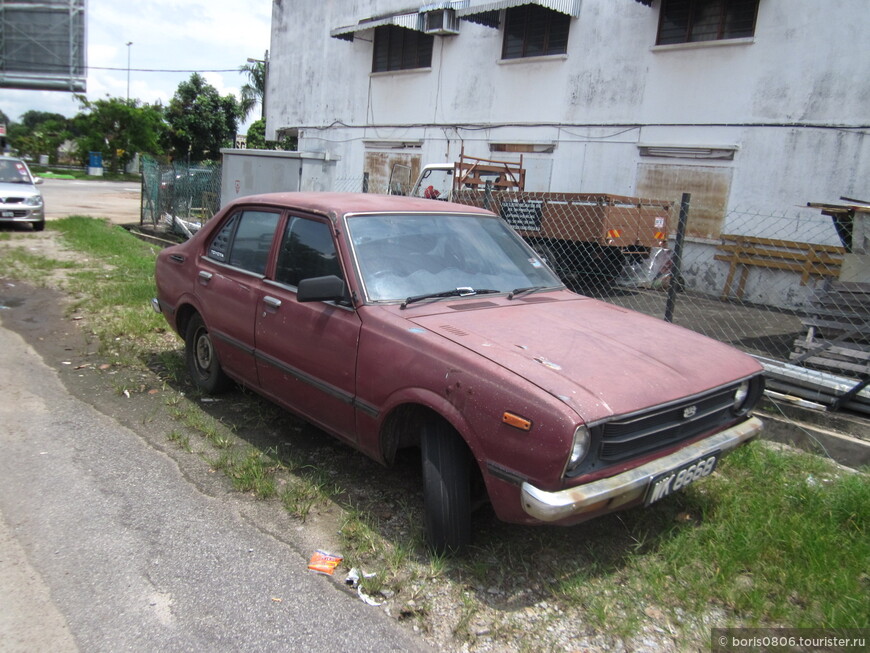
{"type": "Point", "coordinates": [397, 48]}
{"type": "Point", "coordinates": [533, 31]}
{"type": "Point", "coordinates": [688, 21]}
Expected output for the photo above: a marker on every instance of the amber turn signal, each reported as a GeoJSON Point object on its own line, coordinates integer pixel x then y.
{"type": "Point", "coordinates": [516, 421]}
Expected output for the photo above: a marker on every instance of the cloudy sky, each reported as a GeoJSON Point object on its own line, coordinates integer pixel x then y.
{"type": "Point", "coordinates": [189, 35]}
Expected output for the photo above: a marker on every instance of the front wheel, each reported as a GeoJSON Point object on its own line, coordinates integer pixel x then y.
{"type": "Point", "coordinates": [202, 361]}
{"type": "Point", "coordinates": [446, 488]}
{"type": "Point", "coordinates": [39, 226]}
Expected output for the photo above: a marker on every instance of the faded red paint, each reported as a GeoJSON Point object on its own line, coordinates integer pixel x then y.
{"type": "Point", "coordinates": [554, 358]}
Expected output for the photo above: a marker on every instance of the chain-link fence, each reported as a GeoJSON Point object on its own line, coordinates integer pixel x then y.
{"type": "Point", "coordinates": [787, 288]}
{"type": "Point", "coordinates": [179, 197]}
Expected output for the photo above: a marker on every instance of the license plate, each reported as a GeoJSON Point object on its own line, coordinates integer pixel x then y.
{"type": "Point", "coordinates": [666, 484]}
{"type": "Point", "coordinates": [7, 214]}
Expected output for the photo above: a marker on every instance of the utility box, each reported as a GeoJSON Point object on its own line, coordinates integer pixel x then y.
{"type": "Point", "coordinates": [251, 172]}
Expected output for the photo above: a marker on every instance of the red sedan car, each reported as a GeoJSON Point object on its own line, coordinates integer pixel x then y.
{"type": "Point", "coordinates": [396, 322]}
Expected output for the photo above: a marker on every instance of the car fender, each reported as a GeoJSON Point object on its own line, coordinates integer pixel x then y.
{"type": "Point", "coordinates": [433, 401]}
{"type": "Point", "coordinates": [180, 313]}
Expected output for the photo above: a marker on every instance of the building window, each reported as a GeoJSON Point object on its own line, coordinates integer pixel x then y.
{"type": "Point", "coordinates": [533, 31]}
{"type": "Point", "coordinates": [397, 48]}
{"type": "Point", "coordinates": [688, 21]}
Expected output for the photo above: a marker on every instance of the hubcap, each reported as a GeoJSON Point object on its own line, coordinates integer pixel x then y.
{"type": "Point", "coordinates": [203, 351]}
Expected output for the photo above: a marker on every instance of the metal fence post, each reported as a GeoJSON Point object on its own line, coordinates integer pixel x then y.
{"type": "Point", "coordinates": [676, 285]}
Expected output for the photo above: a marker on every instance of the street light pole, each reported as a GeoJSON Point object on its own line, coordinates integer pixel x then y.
{"type": "Point", "coordinates": [129, 43]}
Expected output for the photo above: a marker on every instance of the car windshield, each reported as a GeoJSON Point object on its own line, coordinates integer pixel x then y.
{"type": "Point", "coordinates": [14, 172]}
{"type": "Point", "coordinates": [402, 256]}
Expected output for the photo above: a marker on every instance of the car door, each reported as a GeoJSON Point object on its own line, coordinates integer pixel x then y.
{"type": "Point", "coordinates": [228, 281]}
{"type": "Point", "coordinates": [306, 352]}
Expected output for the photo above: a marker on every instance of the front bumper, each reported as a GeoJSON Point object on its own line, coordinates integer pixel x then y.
{"type": "Point", "coordinates": [21, 213]}
{"type": "Point", "coordinates": [618, 491]}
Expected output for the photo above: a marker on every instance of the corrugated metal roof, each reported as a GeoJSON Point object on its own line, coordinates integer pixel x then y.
{"type": "Point", "coordinates": [444, 4]}
{"type": "Point", "coordinates": [408, 21]}
{"type": "Point", "coordinates": [485, 13]}
{"type": "Point", "coordinates": [570, 7]}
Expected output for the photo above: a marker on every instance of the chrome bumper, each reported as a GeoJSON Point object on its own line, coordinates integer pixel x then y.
{"type": "Point", "coordinates": [617, 491]}
{"type": "Point", "coordinates": [155, 304]}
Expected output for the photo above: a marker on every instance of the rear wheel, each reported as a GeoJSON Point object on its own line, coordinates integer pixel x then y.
{"type": "Point", "coordinates": [202, 361]}
{"type": "Point", "coordinates": [446, 487]}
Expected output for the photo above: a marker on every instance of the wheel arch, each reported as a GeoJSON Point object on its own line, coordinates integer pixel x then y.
{"type": "Point", "coordinates": [184, 312]}
{"type": "Point", "coordinates": [405, 416]}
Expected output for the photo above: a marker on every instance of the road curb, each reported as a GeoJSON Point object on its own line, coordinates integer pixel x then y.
{"type": "Point", "coordinates": [843, 438]}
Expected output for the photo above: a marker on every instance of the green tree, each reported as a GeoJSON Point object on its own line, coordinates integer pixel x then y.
{"type": "Point", "coordinates": [39, 132]}
{"type": "Point", "coordinates": [256, 139]}
{"type": "Point", "coordinates": [32, 119]}
{"type": "Point", "coordinates": [201, 122]}
{"type": "Point", "coordinates": [119, 129]}
{"type": "Point", "coordinates": [254, 91]}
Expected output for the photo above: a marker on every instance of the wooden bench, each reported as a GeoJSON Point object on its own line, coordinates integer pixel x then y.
{"type": "Point", "coordinates": [744, 252]}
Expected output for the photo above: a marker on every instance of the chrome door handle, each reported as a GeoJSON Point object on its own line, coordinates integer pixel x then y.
{"type": "Point", "coordinates": [205, 276]}
{"type": "Point", "coordinates": [271, 301]}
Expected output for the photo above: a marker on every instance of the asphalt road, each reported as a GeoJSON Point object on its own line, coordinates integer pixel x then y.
{"type": "Point", "coordinates": [116, 200]}
{"type": "Point", "coordinates": [105, 545]}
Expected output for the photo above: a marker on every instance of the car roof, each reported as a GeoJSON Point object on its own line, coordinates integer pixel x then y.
{"type": "Point", "coordinates": [335, 205]}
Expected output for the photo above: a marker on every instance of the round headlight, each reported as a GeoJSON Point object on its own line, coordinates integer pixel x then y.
{"type": "Point", "coordinates": [33, 200]}
{"type": "Point", "coordinates": [582, 440]}
{"type": "Point", "coordinates": [740, 396]}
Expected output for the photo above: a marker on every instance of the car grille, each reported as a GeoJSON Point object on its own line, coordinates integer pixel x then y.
{"type": "Point", "coordinates": [639, 434]}
{"type": "Point", "coordinates": [15, 214]}
{"type": "Point", "coordinates": [11, 200]}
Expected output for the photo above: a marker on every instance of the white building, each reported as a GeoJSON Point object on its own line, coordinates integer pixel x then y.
{"type": "Point", "coordinates": [750, 105]}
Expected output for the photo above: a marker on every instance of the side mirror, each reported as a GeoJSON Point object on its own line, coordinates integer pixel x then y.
{"type": "Point", "coordinates": [38, 180]}
{"type": "Point", "coordinates": [321, 289]}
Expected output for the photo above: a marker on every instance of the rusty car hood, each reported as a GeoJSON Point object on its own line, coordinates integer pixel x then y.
{"type": "Point", "coordinates": [600, 359]}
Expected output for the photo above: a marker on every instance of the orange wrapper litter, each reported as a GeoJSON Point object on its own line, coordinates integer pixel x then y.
{"type": "Point", "coordinates": [324, 563]}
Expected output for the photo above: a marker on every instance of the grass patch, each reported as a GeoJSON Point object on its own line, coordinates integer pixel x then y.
{"type": "Point", "coordinates": [784, 538]}
{"type": "Point", "coordinates": [52, 172]}
{"type": "Point", "coordinates": [20, 264]}
{"type": "Point", "coordinates": [774, 538]}
{"type": "Point", "coordinates": [249, 471]}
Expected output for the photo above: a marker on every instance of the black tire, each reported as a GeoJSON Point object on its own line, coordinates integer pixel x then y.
{"type": "Point", "coordinates": [39, 226]}
{"type": "Point", "coordinates": [446, 488]}
{"type": "Point", "coordinates": [202, 361]}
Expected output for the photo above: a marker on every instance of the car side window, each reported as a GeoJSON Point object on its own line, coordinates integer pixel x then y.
{"type": "Point", "coordinates": [220, 244]}
{"type": "Point", "coordinates": [245, 240]}
{"type": "Point", "coordinates": [307, 251]}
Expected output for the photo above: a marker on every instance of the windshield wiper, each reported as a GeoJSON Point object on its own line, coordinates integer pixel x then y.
{"type": "Point", "coordinates": [463, 291]}
{"type": "Point", "coordinates": [522, 291]}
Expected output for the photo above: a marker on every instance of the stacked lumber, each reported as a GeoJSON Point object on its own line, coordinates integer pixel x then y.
{"type": "Point", "coordinates": [837, 330]}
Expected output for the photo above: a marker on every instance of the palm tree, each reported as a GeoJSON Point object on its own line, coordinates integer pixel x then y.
{"type": "Point", "coordinates": [254, 92]}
